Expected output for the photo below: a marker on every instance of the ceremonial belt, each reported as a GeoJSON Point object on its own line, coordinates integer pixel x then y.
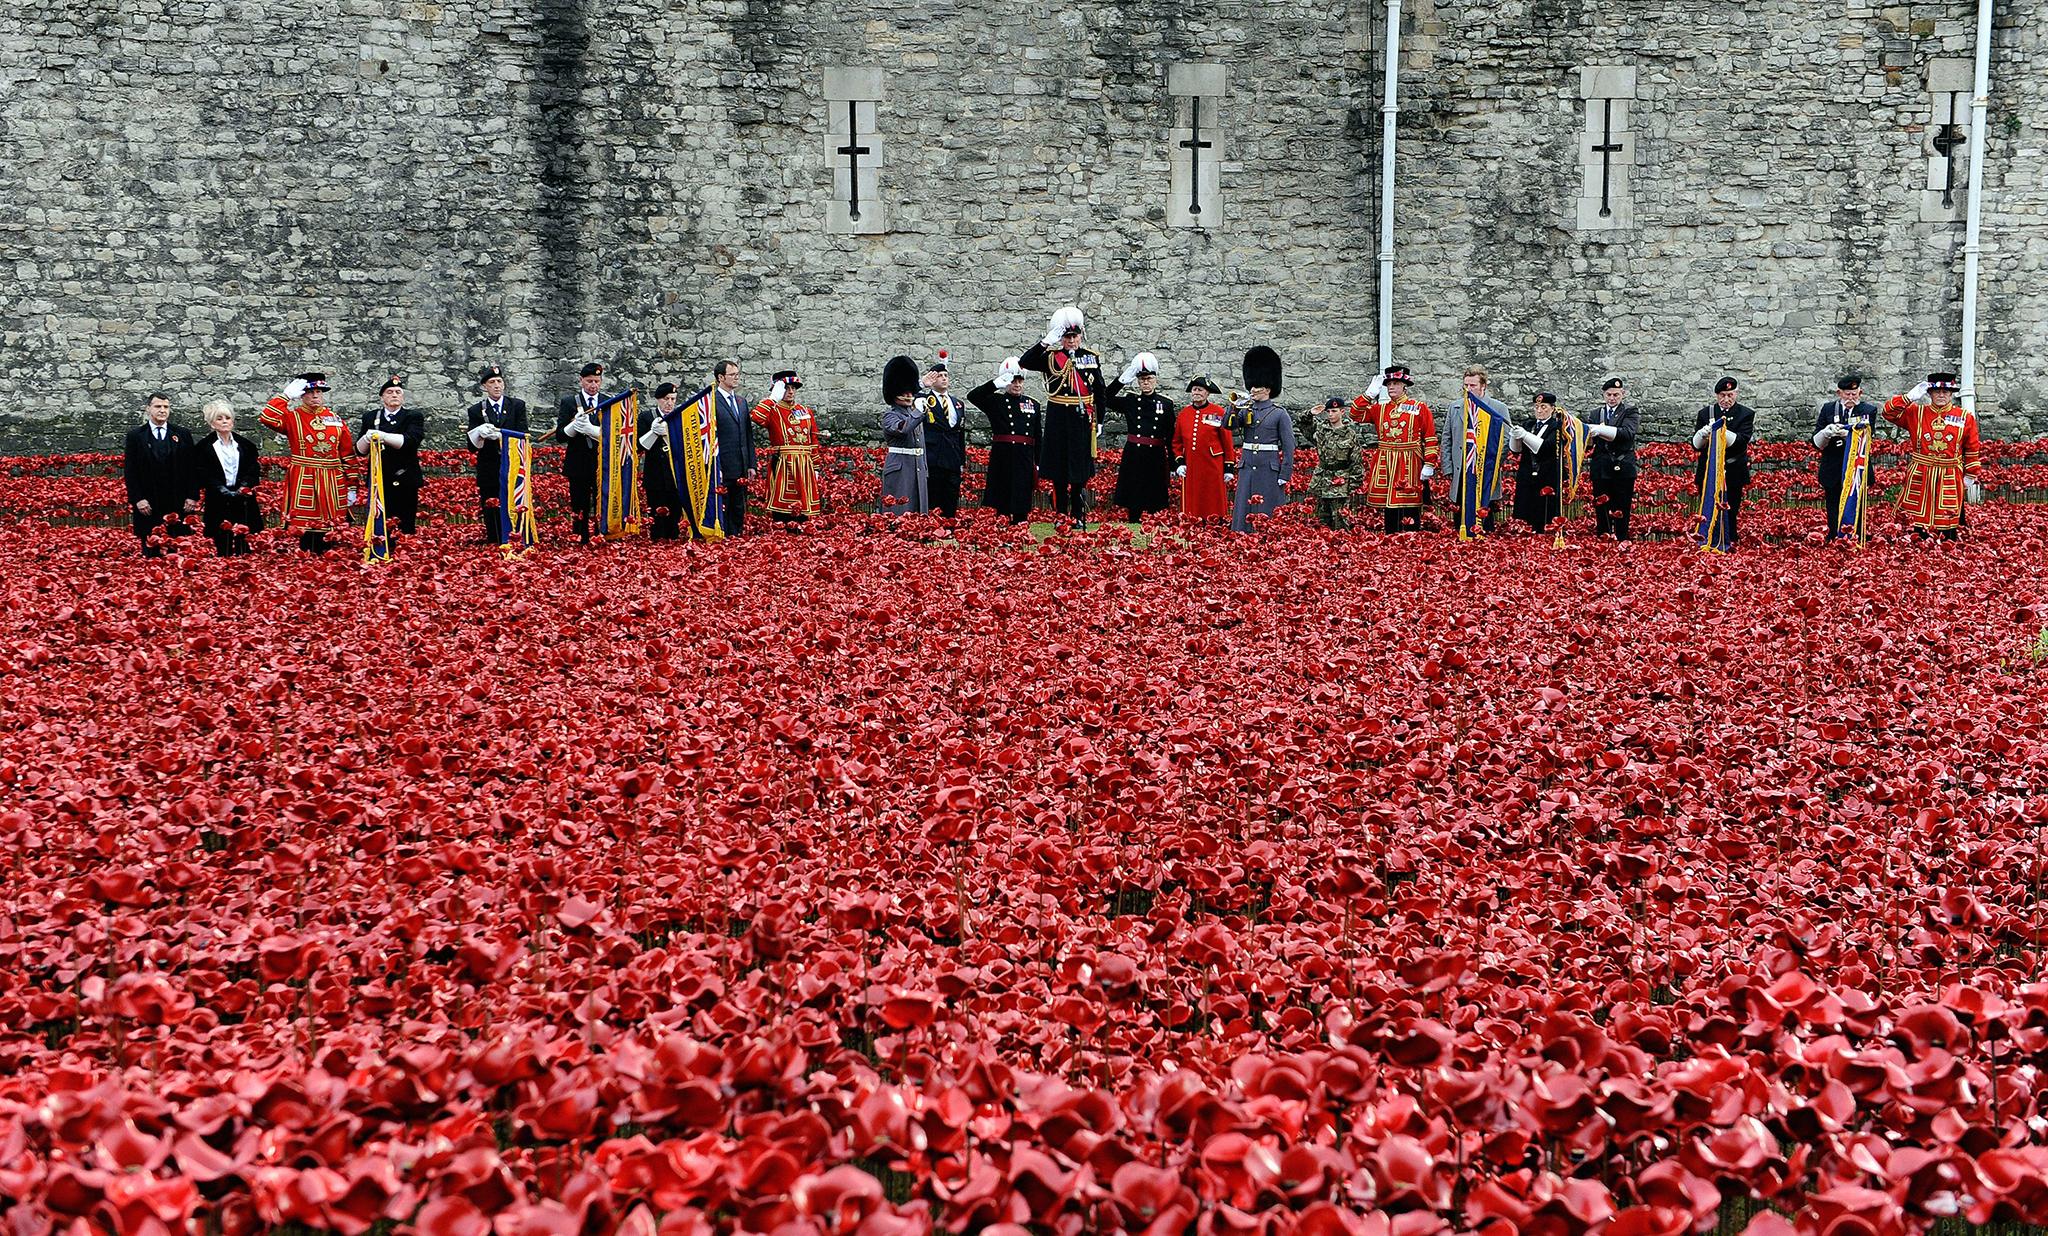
{"type": "Point", "coordinates": [906, 450]}
{"type": "Point", "coordinates": [1023, 438]}
{"type": "Point", "coordinates": [795, 450]}
{"type": "Point", "coordinates": [1936, 461]}
{"type": "Point", "coordinates": [313, 459]}
{"type": "Point", "coordinates": [1073, 401]}
{"type": "Point", "coordinates": [1143, 442]}
{"type": "Point", "coordinates": [1256, 446]}
{"type": "Point", "coordinates": [1404, 447]}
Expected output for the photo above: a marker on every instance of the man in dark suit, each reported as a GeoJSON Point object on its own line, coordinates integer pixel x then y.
{"type": "Point", "coordinates": [1613, 427]}
{"type": "Point", "coordinates": [1739, 423]}
{"type": "Point", "coordinates": [1838, 416]}
{"type": "Point", "coordinates": [227, 467]}
{"type": "Point", "coordinates": [486, 417]}
{"type": "Point", "coordinates": [157, 468]}
{"type": "Point", "coordinates": [576, 426]}
{"type": "Point", "coordinates": [735, 443]}
{"type": "Point", "coordinates": [399, 429]}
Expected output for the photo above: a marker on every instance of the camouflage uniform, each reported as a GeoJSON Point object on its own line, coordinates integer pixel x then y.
{"type": "Point", "coordinates": [1340, 471]}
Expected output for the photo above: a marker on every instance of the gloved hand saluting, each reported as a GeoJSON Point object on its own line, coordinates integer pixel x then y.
{"type": "Point", "coordinates": [775, 392]}
{"type": "Point", "coordinates": [295, 388]}
{"type": "Point", "coordinates": [1918, 393]}
{"type": "Point", "coordinates": [1377, 389]}
{"type": "Point", "coordinates": [1130, 373]}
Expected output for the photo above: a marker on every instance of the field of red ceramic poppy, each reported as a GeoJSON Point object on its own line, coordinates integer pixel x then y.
{"type": "Point", "coordinates": [853, 881]}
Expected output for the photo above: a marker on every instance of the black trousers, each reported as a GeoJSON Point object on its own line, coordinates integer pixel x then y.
{"type": "Point", "coordinates": [666, 524]}
{"type": "Point", "coordinates": [582, 501]}
{"type": "Point", "coordinates": [1614, 501]}
{"type": "Point", "coordinates": [1735, 509]}
{"type": "Point", "coordinates": [1404, 519]}
{"type": "Point", "coordinates": [1070, 498]}
{"type": "Point", "coordinates": [943, 487]}
{"type": "Point", "coordinates": [147, 524]}
{"type": "Point", "coordinates": [492, 517]}
{"type": "Point", "coordinates": [402, 506]}
{"type": "Point", "coordinates": [735, 507]}
{"type": "Point", "coordinates": [314, 542]}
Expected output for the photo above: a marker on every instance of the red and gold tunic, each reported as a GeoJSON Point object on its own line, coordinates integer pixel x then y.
{"type": "Point", "coordinates": [1407, 430]}
{"type": "Point", "coordinates": [1942, 449]}
{"type": "Point", "coordinates": [792, 456]}
{"type": "Point", "coordinates": [1203, 444]}
{"type": "Point", "coordinates": [319, 446]}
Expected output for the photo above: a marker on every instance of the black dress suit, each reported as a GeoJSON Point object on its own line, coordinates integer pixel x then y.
{"type": "Point", "coordinates": [579, 459]}
{"type": "Point", "coordinates": [401, 463]}
{"type": "Point", "coordinates": [1835, 454]}
{"type": "Point", "coordinates": [507, 414]}
{"type": "Point", "coordinates": [229, 501]}
{"type": "Point", "coordinates": [735, 455]}
{"type": "Point", "coordinates": [157, 469]}
{"type": "Point", "coordinates": [1740, 421]}
{"type": "Point", "coordinates": [1613, 465]}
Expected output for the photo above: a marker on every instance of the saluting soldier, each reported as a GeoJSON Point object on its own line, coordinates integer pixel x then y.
{"type": "Point", "coordinates": [318, 445]}
{"type": "Point", "coordinates": [399, 430]}
{"type": "Point", "coordinates": [1074, 396]}
{"type": "Point", "coordinates": [1266, 439]}
{"type": "Point", "coordinates": [1839, 417]}
{"type": "Point", "coordinates": [1406, 456]}
{"type": "Point", "coordinates": [576, 426]}
{"type": "Point", "coordinates": [904, 490]}
{"type": "Point", "coordinates": [1017, 422]}
{"type": "Point", "coordinates": [1943, 456]}
{"type": "Point", "coordinates": [1340, 464]}
{"type": "Point", "coordinates": [792, 450]}
{"type": "Point", "coordinates": [1612, 429]}
{"type": "Point", "coordinates": [945, 437]}
{"type": "Point", "coordinates": [486, 417]}
{"type": "Point", "coordinates": [1143, 478]}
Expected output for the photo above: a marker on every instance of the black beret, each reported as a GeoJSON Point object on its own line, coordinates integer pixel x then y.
{"type": "Point", "coordinates": [1546, 397]}
{"type": "Point", "coordinates": [664, 390]}
{"type": "Point", "coordinates": [1848, 382]}
{"type": "Point", "coordinates": [489, 372]}
{"type": "Point", "coordinates": [1725, 384]}
{"type": "Point", "coordinates": [1613, 384]}
{"type": "Point", "coordinates": [396, 382]}
{"type": "Point", "coordinates": [593, 370]}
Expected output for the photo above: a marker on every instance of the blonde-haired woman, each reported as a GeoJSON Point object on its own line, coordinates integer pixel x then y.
{"type": "Point", "coordinates": [228, 468]}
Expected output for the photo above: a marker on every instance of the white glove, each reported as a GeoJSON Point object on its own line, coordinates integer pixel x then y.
{"type": "Point", "coordinates": [775, 392]}
{"type": "Point", "coordinates": [388, 438]}
{"type": "Point", "coordinates": [1608, 432]}
{"type": "Point", "coordinates": [1841, 432]}
{"type": "Point", "coordinates": [1062, 318]}
{"type": "Point", "coordinates": [483, 433]}
{"type": "Point", "coordinates": [1378, 388]}
{"type": "Point", "coordinates": [1699, 440]}
{"type": "Point", "coordinates": [1230, 478]}
{"type": "Point", "coordinates": [294, 388]}
{"type": "Point", "coordinates": [352, 497]}
{"type": "Point", "coordinates": [1428, 470]}
{"type": "Point", "coordinates": [585, 426]}
{"type": "Point", "coordinates": [1825, 436]}
{"type": "Point", "coordinates": [1130, 373]}
{"type": "Point", "coordinates": [652, 436]}
{"type": "Point", "coordinates": [1973, 489]}
{"type": "Point", "coordinates": [1181, 471]}
{"type": "Point", "coordinates": [1918, 393]}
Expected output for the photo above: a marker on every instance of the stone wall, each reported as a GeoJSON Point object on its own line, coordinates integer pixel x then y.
{"type": "Point", "coordinates": [213, 194]}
